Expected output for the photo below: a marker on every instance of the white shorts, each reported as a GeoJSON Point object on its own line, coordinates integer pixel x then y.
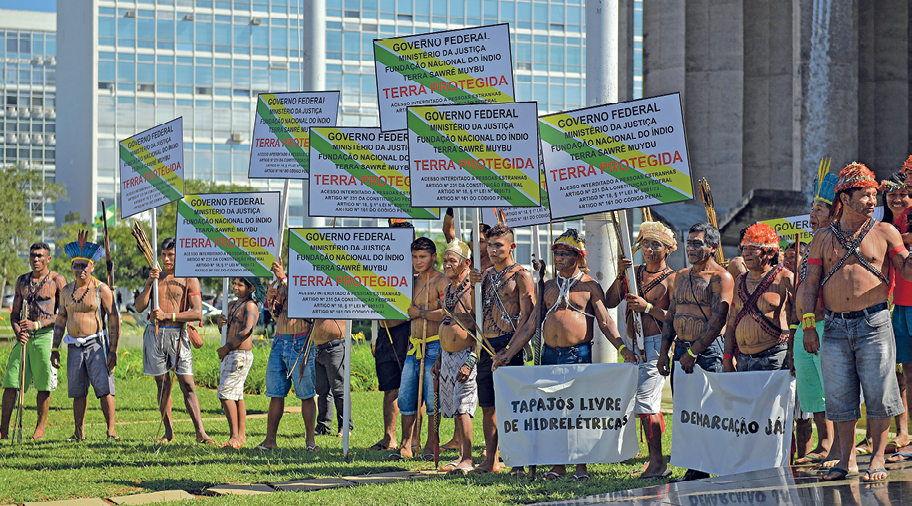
{"type": "Point", "coordinates": [233, 373]}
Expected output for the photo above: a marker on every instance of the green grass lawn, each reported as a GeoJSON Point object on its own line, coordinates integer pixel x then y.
{"type": "Point", "coordinates": [54, 469]}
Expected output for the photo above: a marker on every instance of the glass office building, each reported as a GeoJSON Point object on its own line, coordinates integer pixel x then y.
{"type": "Point", "coordinates": [28, 45]}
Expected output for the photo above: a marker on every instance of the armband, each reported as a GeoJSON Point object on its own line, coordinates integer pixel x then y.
{"type": "Point", "coordinates": [691, 353]}
{"type": "Point", "coordinates": [808, 320]}
{"type": "Point", "coordinates": [815, 261]}
{"type": "Point", "coordinates": [896, 250]}
{"type": "Point", "coordinates": [793, 326]}
{"type": "Point", "coordinates": [471, 360]}
{"type": "Point", "coordinates": [727, 356]}
{"type": "Point", "coordinates": [55, 349]}
{"type": "Point", "coordinates": [622, 348]}
{"type": "Point", "coordinates": [648, 307]}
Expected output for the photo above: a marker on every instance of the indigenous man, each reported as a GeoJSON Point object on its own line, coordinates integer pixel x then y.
{"type": "Point", "coordinates": [758, 320]}
{"type": "Point", "coordinates": [507, 303]}
{"type": "Point", "coordinates": [330, 375]}
{"type": "Point", "coordinates": [805, 366]}
{"type": "Point", "coordinates": [425, 315]}
{"type": "Point", "coordinates": [236, 355]}
{"type": "Point", "coordinates": [654, 280]}
{"type": "Point", "coordinates": [91, 352]}
{"type": "Point", "coordinates": [291, 362]}
{"type": "Point", "coordinates": [166, 345]}
{"type": "Point", "coordinates": [898, 201]}
{"type": "Point", "coordinates": [696, 313]}
{"type": "Point", "coordinates": [572, 303]}
{"type": "Point", "coordinates": [389, 356]}
{"type": "Point", "coordinates": [455, 366]}
{"type": "Point", "coordinates": [848, 263]}
{"type": "Point", "coordinates": [40, 291]}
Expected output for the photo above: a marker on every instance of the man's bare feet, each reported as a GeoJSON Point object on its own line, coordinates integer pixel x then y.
{"type": "Point", "coordinates": [233, 443]}
{"type": "Point", "coordinates": [266, 446]}
{"type": "Point", "coordinates": [900, 441]}
{"type": "Point", "coordinates": [451, 445]}
{"type": "Point", "coordinates": [463, 467]}
{"type": "Point", "coordinates": [487, 467]}
{"type": "Point", "coordinates": [205, 439]}
{"type": "Point", "coordinates": [38, 434]}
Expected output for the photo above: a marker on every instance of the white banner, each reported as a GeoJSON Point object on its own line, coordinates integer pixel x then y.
{"type": "Point", "coordinates": [727, 423]}
{"type": "Point", "coordinates": [152, 168]}
{"type": "Point", "coordinates": [566, 414]}
{"type": "Point", "coordinates": [281, 142]}
{"type": "Point", "coordinates": [465, 66]}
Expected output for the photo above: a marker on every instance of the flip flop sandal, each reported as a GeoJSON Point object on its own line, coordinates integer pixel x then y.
{"type": "Point", "coordinates": [427, 457]}
{"type": "Point", "coordinates": [113, 438]}
{"type": "Point", "coordinates": [208, 441]}
{"type": "Point", "coordinates": [838, 471]}
{"type": "Point", "coordinates": [518, 473]}
{"type": "Point", "coordinates": [379, 447]}
{"type": "Point", "coordinates": [899, 457]}
{"type": "Point", "coordinates": [662, 476]}
{"type": "Point", "coordinates": [312, 448]}
{"type": "Point", "coordinates": [876, 470]}
{"type": "Point", "coordinates": [449, 466]}
{"type": "Point", "coordinates": [263, 448]}
{"type": "Point", "coordinates": [394, 457]}
{"type": "Point", "coordinates": [580, 477]}
{"type": "Point", "coordinates": [459, 471]}
{"type": "Point", "coordinates": [551, 476]}
{"type": "Point", "coordinates": [74, 439]}
{"type": "Point", "coordinates": [808, 459]}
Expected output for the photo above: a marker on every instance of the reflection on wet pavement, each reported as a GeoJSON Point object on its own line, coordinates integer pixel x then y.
{"type": "Point", "coordinates": [780, 486]}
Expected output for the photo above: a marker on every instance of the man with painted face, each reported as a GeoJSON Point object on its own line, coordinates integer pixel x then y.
{"type": "Point", "coordinates": [850, 262]}
{"type": "Point", "coordinates": [758, 320]}
{"type": "Point", "coordinates": [654, 280]}
{"type": "Point", "coordinates": [700, 300]}
{"type": "Point", "coordinates": [572, 304]}
{"type": "Point", "coordinates": [91, 352]}
{"type": "Point", "coordinates": [39, 291]}
{"type": "Point", "coordinates": [166, 344]}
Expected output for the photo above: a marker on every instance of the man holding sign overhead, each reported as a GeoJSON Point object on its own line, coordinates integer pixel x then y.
{"type": "Point", "coordinates": [573, 304]}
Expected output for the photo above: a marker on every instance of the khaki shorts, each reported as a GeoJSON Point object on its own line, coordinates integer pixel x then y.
{"type": "Point", "coordinates": [233, 373]}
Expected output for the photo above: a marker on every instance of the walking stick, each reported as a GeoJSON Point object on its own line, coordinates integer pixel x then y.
{"type": "Point", "coordinates": [17, 427]}
{"type": "Point", "coordinates": [423, 351]}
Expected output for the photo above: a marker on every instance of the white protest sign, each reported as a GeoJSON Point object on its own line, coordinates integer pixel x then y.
{"type": "Point", "coordinates": [616, 156]}
{"type": "Point", "coordinates": [749, 414]}
{"type": "Point", "coordinates": [474, 155]}
{"type": "Point", "coordinates": [361, 173]}
{"type": "Point", "coordinates": [568, 414]}
{"type": "Point", "coordinates": [227, 234]}
{"type": "Point", "coordinates": [279, 148]}
{"type": "Point", "coordinates": [351, 273]}
{"type": "Point", "coordinates": [465, 66]}
{"type": "Point", "coordinates": [152, 168]}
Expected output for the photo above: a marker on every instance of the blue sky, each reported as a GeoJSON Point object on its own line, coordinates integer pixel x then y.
{"type": "Point", "coordinates": [30, 5]}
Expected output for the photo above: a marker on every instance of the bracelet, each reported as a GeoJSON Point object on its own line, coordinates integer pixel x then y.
{"type": "Point", "coordinates": [727, 356]}
{"type": "Point", "coordinates": [174, 316]}
{"type": "Point", "coordinates": [55, 349]}
{"type": "Point", "coordinates": [285, 280]}
{"type": "Point", "coordinates": [471, 360]}
{"type": "Point", "coordinates": [507, 347]}
{"type": "Point", "coordinates": [793, 326]}
{"type": "Point", "coordinates": [648, 307]}
{"type": "Point", "coordinates": [622, 348]}
{"type": "Point", "coordinates": [808, 320]}
{"type": "Point", "coordinates": [691, 353]}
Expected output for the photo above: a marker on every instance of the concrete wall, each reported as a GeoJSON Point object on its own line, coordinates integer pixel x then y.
{"type": "Point", "coordinates": [76, 108]}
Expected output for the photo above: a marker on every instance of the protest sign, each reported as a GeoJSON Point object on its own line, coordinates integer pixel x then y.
{"type": "Point", "coordinates": [788, 227]}
{"type": "Point", "coordinates": [279, 148]}
{"type": "Point", "coordinates": [351, 273]}
{"type": "Point", "coordinates": [227, 234]}
{"type": "Point", "coordinates": [362, 173]}
{"type": "Point", "coordinates": [749, 414]}
{"type": "Point", "coordinates": [616, 156]}
{"type": "Point", "coordinates": [152, 168]}
{"type": "Point", "coordinates": [465, 66]}
{"type": "Point", "coordinates": [568, 414]}
{"type": "Point", "coordinates": [474, 155]}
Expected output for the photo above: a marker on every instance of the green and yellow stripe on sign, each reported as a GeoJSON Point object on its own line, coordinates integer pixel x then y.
{"type": "Point", "coordinates": [513, 185]}
{"type": "Point", "coordinates": [787, 231]}
{"type": "Point", "coordinates": [394, 190]}
{"type": "Point", "coordinates": [226, 236]}
{"type": "Point", "coordinates": [402, 63]}
{"type": "Point", "coordinates": [391, 305]}
{"type": "Point", "coordinates": [276, 116]}
{"type": "Point", "coordinates": [159, 175]}
{"type": "Point", "coordinates": [580, 139]}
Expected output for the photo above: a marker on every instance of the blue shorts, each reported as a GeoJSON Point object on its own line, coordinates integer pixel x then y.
{"type": "Point", "coordinates": [859, 354]}
{"type": "Point", "coordinates": [710, 360]}
{"type": "Point", "coordinates": [408, 388]}
{"type": "Point", "coordinates": [579, 354]}
{"type": "Point", "coordinates": [284, 367]}
{"type": "Point", "coordinates": [902, 331]}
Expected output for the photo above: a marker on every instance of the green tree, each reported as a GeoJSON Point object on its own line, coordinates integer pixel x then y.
{"type": "Point", "coordinates": [22, 190]}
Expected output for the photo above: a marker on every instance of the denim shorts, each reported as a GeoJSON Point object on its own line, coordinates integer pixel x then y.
{"type": "Point", "coordinates": [284, 367]}
{"type": "Point", "coordinates": [772, 359]}
{"type": "Point", "coordinates": [408, 389]}
{"type": "Point", "coordinates": [579, 354]}
{"type": "Point", "coordinates": [859, 353]}
{"type": "Point", "coordinates": [710, 360]}
{"type": "Point", "coordinates": [902, 331]}
{"type": "Point", "coordinates": [649, 382]}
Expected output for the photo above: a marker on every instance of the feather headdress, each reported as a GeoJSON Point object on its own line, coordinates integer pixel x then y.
{"type": "Point", "coordinates": [825, 186]}
{"type": "Point", "coordinates": [760, 235]}
{"type": "Point", "coordinates": [571, 240]}
{"type": "Point", "coordinates": [82, 249]}
{"type": "Point", "coordinates": [856, 175]}
{"type": "Point", "coordinates": [460, 248]}
{"type": "Point", "coordinates": [658, 232]}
